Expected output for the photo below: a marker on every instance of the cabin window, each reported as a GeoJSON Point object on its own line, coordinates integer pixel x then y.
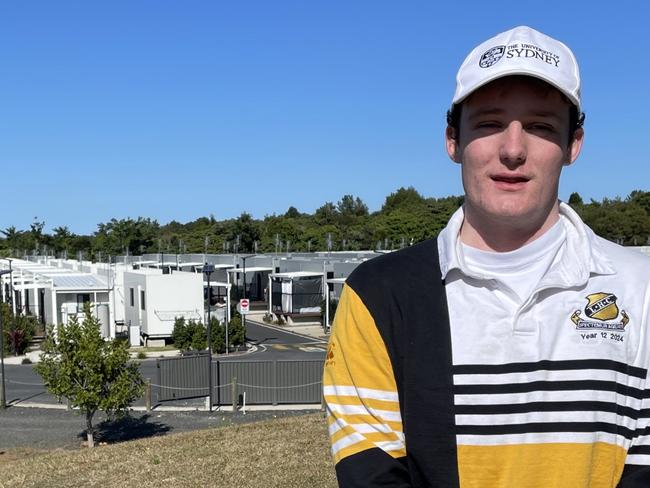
{"type": "Point", "coordinates": [82, 298]}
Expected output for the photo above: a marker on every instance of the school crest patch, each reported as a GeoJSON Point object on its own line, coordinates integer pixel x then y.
{"type": "Point", "coordinates": [600, 311]}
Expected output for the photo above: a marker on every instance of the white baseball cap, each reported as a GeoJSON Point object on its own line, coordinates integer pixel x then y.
{"type": "Point", "coordinates": [520, 51]}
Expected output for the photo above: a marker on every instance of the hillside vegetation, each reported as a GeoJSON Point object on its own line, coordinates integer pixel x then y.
{"type": "Point", "coordinates": [405, 217]}
{"type": "Point", "coordinates": [282, 453]}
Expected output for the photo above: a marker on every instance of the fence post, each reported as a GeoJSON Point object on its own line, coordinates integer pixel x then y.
{"type": "Point", "coordinates": [148, 395]}
{"type": "Point", "coordinates": [323, 407]}
{"type": "Point", "coordinates": [275, 382]}
{"type": "Point", "coordinates": [234, 393]}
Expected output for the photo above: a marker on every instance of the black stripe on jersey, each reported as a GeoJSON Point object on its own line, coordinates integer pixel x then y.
{"type": "Point", "coordinates": [635, 476]}
{"type": "Point", "coordinates": [546, 427]}
{"type": "Point", "coordinates": [550, 366]}
{"type": "Point", "coordinates": [372, 467]}
{"type": "Point", "coordinates": [405, 294]}
{"type": "Point", "coordinates": [577, 406]}
{"type": "Point", "coordinates": [643, 431]}
{"type": "Point", "coordinates": [573, 385]}
{"type": "Point", "coordinates": [639, 450]}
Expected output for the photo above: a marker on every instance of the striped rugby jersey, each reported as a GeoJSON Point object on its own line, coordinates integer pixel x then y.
{"type": "Point", "coordinates": [432, 380]}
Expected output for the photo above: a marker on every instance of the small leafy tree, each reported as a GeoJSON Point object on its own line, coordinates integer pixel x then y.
{"type": "Point", "coordinates": [192, 335]}
{"type": "Point", "coordinates": [180, 335]}
{"type": "Point", "coordinates": [92, 373]}
{"type": "Point", "coordinates": [236, 331]}
{"type": "Point", "coordinates": [189, 335]}
{"type": "Point", "coordinates": [218, 333]}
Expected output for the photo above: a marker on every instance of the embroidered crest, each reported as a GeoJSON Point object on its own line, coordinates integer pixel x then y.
{"type": "Point", "coordinates": [601, 308]}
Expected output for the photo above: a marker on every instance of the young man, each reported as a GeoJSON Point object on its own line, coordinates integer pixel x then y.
{"type": "Point", "coordinates": [513, 350]}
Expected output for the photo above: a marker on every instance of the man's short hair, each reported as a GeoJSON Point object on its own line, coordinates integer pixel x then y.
{"type": "Point", "coordinates": [576, 118]}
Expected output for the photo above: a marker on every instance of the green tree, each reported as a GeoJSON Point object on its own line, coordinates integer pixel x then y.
{"type": "Point", "coordinates": [575, 200]}
{"type": "Point", "coordinates": [350, 206]}
{"type": "Point", "coordinates": [189, 335]}
{"type": "Point", "coordinates": [236, 331]}
{"type": "Point", "coordinates": [119, 236]}
{"type": "Point", "coordinates": [92, 373]}
{"type": "Point", "coordinates": [326, 214]}
{"type": "Point", "coordinates": [62, 238]}
{"type": "Point", "coordinates": [292, 213]}
{"type": "Point", "coordinates": [245, 231]}
{"type": "Point", "coordinates": [405, 198]}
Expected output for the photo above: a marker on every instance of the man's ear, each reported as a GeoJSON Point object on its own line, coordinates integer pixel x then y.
{"type": "Point", "coordinates": [575, 146]}
{"type": "Point", "coordinates": [451, 142]}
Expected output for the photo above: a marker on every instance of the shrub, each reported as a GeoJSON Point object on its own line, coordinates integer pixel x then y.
{"type": "Point", "coordinates": [236, 331]}
{"type": "Point", "coordinates": [18, 331]}
{"type": "Point", "coordinates": [141, 355]}
{"type": "Point", "coordinates": [192, 335]}
{"type": "Point", "coordinates": [180, 336]}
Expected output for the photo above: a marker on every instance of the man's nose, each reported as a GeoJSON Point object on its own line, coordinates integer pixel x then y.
{"type": "Point", "coordinates": [513, 145]}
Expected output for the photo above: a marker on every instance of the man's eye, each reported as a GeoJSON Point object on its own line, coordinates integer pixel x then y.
{"type": "Point", "coordinates": [488, 124]}
{"type": "Point", "coordinates": [542, 127]}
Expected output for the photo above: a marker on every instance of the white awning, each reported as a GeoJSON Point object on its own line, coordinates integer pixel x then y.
{"type": "Point", "coordinates": [297, 274]}
{"type": "Point", "coordinates": [171, 315]}
{"type": "Point", "coordinates": [335, 281]}
{"type": "Point", "coordinates": [218, 283]}
{"type": "Point", "coordinates": [251, 269]}
{"type": "Point", "coordinates": [217, 266]}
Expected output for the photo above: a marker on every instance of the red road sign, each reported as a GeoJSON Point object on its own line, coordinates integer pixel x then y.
{"type": "Point", "coordinates": [244, 306]}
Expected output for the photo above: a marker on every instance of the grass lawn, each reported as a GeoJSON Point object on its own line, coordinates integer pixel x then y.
{"type": "Point", "coordinates": [287, 452]}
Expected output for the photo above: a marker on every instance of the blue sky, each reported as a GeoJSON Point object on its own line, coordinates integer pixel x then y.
{"type": "Point", "coordinates": [176, 110]}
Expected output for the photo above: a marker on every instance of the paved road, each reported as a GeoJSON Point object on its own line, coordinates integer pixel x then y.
{"type": "Point", "coordinates": [24, 385]}
{"type": "Point", "coordinates": [39, 428]}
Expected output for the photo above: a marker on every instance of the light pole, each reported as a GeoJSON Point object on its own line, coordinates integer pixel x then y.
{"type": "Point", "coordinates": [207, 270]}
{"type": "Point", "coordinates": [11, 285]}
{"type": "Point", "coordinates": [243, 316]}
{"type": "Point", "coordinates": [3, 402]}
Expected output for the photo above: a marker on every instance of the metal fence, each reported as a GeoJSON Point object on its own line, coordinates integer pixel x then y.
{"type": "Point", "coordinates": [182, 377]}
{"type": "Point", "coordinates": [263, 382]}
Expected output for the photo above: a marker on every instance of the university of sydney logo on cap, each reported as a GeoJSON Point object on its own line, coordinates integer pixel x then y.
{"type": "Point", "coordinates": [491, 56]}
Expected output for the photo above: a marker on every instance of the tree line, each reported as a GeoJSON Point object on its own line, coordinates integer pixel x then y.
{"type": "Point", "coordinates": [406, 217]}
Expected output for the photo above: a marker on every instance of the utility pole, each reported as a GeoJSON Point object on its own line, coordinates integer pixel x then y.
{"type": "Point", "coordinates": [3, 401]}
{"type": "Point", "coordinates": [207, 270]}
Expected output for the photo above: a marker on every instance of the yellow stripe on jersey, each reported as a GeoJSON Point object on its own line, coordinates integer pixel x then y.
{"type": "Point", "coordinates": [359, 386]}
{"type": "Point", "coordinates": [597, 465]}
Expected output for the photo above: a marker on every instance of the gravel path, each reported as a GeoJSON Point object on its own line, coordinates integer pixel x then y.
{"type": "Point", "coordinates": [40, 428]}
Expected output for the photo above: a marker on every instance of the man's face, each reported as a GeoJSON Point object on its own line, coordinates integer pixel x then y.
{"type": "Point", "coordinates": [513, 143]}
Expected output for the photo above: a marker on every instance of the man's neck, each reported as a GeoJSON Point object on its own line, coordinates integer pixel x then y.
{"type": "Point", "coordinates": [503, 235]}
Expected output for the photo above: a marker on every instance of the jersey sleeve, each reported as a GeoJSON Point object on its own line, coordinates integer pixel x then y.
{"type": "Point", "coordinates": [363, 411]}
{"type": "Point", "coordinates": [636, 472]}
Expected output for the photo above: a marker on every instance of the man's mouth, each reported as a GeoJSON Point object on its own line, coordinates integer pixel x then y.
{"type": "Point", "coordinates": [510, 179]}
{"type": "Point", "coordinates": [510, 182]}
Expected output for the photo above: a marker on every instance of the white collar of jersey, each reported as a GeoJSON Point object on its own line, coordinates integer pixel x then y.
{"type": "Point", "coordinates": [582, 256]}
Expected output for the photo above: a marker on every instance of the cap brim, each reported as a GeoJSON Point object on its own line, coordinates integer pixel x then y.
{"type": "Point", "coordinates": [518, 72]}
